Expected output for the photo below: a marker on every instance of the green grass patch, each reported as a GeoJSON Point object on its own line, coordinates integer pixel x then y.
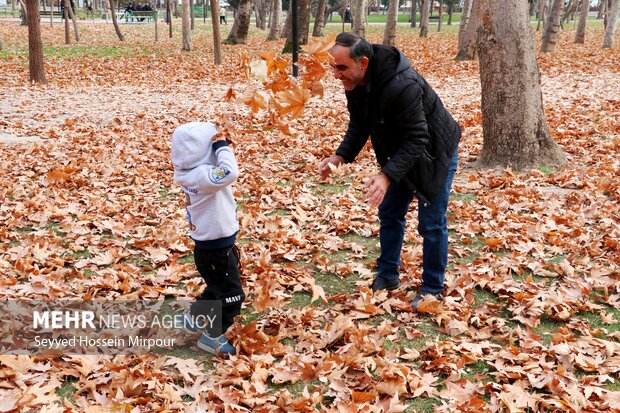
{"type": "Point", "coordinates": [422, 405]}
{"type": "Point", "coordinates": [67, 390]}
{"type": "Point", "coordinates": [186, 259]}
{"type": "Point", "coordinates": [187, 352]}
{"type": "Point", "coordinates": [334, 284]}
{"type": "Point", "coordinates": [55, 228]}
{"type": "Point", "coordinates": [99, 51]}
{"type": "Point", "coordinates": [547, 328]}
{"type": "Point", "coordinates": [27, 228]}
{"type": "Point", "coordinates": [484, 297]}
{"type": "Point", "coordinates": [463, 197]}
{"type": "Point", "coordinates": [596, 321]}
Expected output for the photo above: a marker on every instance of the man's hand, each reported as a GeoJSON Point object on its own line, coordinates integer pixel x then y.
{"type": "Point", "coordinates": [324, 167]}
{"type": "Point", "coordinates": [376, 188]}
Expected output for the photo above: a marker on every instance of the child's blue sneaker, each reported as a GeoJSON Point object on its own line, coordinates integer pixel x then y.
{"type": "Point", "coordinates": [187, 321]}
{"type": "Point", "coordinates": [215, 345]}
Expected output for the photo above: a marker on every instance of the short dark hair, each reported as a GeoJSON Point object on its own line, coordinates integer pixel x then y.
{"type": "Point", "coordinates": [358, 46]}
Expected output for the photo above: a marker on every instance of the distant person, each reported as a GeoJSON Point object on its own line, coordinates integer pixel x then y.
{"type": "Point", "coordinates": [347, 14]}
{"type": "Point", "coordinates": [223, 15]}
{"type": "Point", "coordinates": [205, 167]}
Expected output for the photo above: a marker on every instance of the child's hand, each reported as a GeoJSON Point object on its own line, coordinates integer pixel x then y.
{"type": "Point", "coordinates": [219, 137]}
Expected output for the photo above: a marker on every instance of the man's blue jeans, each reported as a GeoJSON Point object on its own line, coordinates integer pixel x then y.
{"type": "Point", "coordinates": [432, 226]}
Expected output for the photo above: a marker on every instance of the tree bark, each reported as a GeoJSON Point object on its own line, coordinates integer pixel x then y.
{"type": "Point", "coordinates": [66, 17]}
{"type": "Point", "coordinates": [515, 130]}
{"type": "Point", "coordinates": [117, 28]}
{"type": "Point", "coordinates": [304, 26]}
{"type": "Point", "coordinates": [541, 13]}
{"type": "Point", "coordinates": [35, 46]}
{"type": "Point", "coordinates": [389, 34]}
{"type": "Point", "coordinates": [191, 14]}
{"type": "Point", "coordinates": [186, 27]}
{"type": "Point", "coordinates": [602, 5]}
{"type": "Point", "coordinates": [468, 46]}
{"type": "Point", "coordinates": [580, 34]}
{"type": "Point", "coordinates": [24, 17]}
{"type": "Point", "coordinates": [239, 32]}
{"type": "Point", "coordinates": [274, 30]}
{"type": "Point", "coordinates": [414, 12]}
{"type": "Point", "coordinates": [570, 10]}
{"type": "Point", "coordinates": [358, 14]}
{"type": "Point", "coordinates": [286, 30]}
{"type": "Point", "coordinates": [424, 19]}
{"type": "Point", "coordinates": [440, 16]}
{"type": "Point", "coordinates": [74, 20]}
{"type": "Point", "coordinates": [608, 40]}
{"type": "Point", "coordinates": [263, 13]}
{"type": "Point", "coordinates": [319, 19]}
{"type": "Point", "coordinates": [465, 15]}
{"type": "Point", "coordinates": [550, 36]}
{"type": "Point", "coordinates": [215, 13]}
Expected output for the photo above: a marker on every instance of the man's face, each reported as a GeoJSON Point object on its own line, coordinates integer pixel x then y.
{"type": "Point", "coordinates": [350, 72]}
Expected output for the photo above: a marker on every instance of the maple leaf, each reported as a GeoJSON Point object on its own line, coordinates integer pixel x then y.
{"type": "Point", "coordinates": [318, 49]}
{"type": "Point", "coordinates": [255, 99]}
{"type": "Point", "coordinates": [230, 95]}
{"type": "Point", "coordinates": [295, 101]}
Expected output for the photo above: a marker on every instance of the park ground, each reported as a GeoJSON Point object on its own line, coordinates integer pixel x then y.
{"type": "Point", "coordinates": [530, 317]}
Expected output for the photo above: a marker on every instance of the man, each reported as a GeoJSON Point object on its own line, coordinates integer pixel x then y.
{"type": "Point", "coordinates": [415, 141]}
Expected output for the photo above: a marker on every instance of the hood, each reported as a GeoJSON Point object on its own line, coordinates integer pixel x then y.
{"type": "Point", "coordinates": [191, 144]}
{"type": "Point", "coordinates": [386, 63]}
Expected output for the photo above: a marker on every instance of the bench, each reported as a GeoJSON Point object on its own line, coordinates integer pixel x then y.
{"type": "Point", "coordinates": [47, 13]}
{"type": "Point", "coordinates": [141, 15]}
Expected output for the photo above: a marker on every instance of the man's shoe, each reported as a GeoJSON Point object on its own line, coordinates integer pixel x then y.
{"type": "Point", "coordinates": [186, 321]}
{"type": "Point", "coordinates": [383, 284]}
{"type": "Point", "coordinates": [215, 345]}
{"type": "Point", "coordinates": [420, 296]}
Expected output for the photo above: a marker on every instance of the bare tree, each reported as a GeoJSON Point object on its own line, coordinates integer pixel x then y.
{"type": "Point", "coordinates": [303, 20]}
{"type": "Point", "coordinates": [117, 29]}
{"type": "Point", "coordinates": [24, 14]}
{"type": "Point", "coordinates": [550, 36]}
{"type": "Point", "coordinates": [608, 40]}
{"type": "Point", "coordinates": [468, 47]}
{"type": "Point", "coordinates": [440, 16]}
{"type": "Point", "coordinates": [358, 15]}
{"type": "Point", "coordinates": [580, 34]}
{"type": "Point", "coordinates": [274, 30]}
{"type": "Point", "coordinates": [424, 18]}
{"type": "Point", "coordinates": [414, 12]}
{"type": "Point", "coordinates": [389, 34]}
{"type": "Point", "coordinates": [215, 12]}
{"type": "Point", "coordinates": [239, 32]}
{"type": "Point", "coordinates": [541, 13]}
{"type": "Point", "coordinates": [73, 20]}
{"type": "Point", "coordinates": [319, 19]}
{"type": "Point", "coordinates": [35, 46]}
{"type": "Point", "coordinates": [515, 130]}
{"type": "Point", "coordinates": [186, 26]}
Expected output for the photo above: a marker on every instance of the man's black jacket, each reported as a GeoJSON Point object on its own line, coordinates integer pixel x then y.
{"type": "Point", "coordinates": [413, 135]}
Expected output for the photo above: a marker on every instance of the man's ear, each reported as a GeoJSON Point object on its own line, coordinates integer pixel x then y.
{"type": "Point", "coordinates": [364, 62]}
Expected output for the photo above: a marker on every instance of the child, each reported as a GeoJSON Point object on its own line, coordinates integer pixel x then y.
{"type": "Point", "coordinates": [205, 166]}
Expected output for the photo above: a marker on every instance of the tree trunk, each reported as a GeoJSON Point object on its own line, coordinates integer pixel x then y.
{"type": "Point", "coordinates": [239, 32]}
{"type": "Point", "coordinates": [67, 27]}
{"type": "Point", "coordinates": [304, 26]}
{"type": "Point", "coordinates": [117, 28]}
{"type": "Point", "coordinates": [424, 19]}
{"type": "Point", "coordinates": [541, 13]}
{"type": "Point", "coordinates": [580, 35]}
{"type": "Point", "coordinates": [468, 46]}
{"type": "Point", "coordinates": [602, 5]}
{"type": "Point", "coordinates": [414, 12]}
{"type": "Point", "coordinates": [74, 20]}
{"type": "Point", "coordinates": [24, 10]}
{"type": "Point", "coordinates": [515, 130]}
{"type": "Point", "coordinates": [465, 15]}
{"type": "Point", "coordinates": [358, 14]}
{"type": "Point", "coordinates": [215, 13]}
{"type": "Point", "coordinates": [570, 10]}
{"type": "Point", "coordinates": [191, 15]}
{"type": "Point", "coordinates": [35, 46]}
{"type": "Point", "coordinates": [186, 27]}
{"type": "Point", "coordinates": [608, 40]}
{"type": "Point", "coordinates": [440, 16]}
{"type": "Point", "coordinates": [274, 30]}
{"type": "Point", "coordinates": [286, 31]}
{"type": "Point", "coordinates": [389, 34]}
{"type": "Point", "coordinates": [550, 37]}
{"type": "Point", "coordinates": [263, 13]}
{"type": "Point", "coordinates": [319, 20]}
{"type": "Point", "coordinates": [169, 15]}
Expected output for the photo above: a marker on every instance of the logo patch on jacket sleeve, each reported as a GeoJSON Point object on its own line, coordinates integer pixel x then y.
{"type": "Point", "coordinates": [218, 173]}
